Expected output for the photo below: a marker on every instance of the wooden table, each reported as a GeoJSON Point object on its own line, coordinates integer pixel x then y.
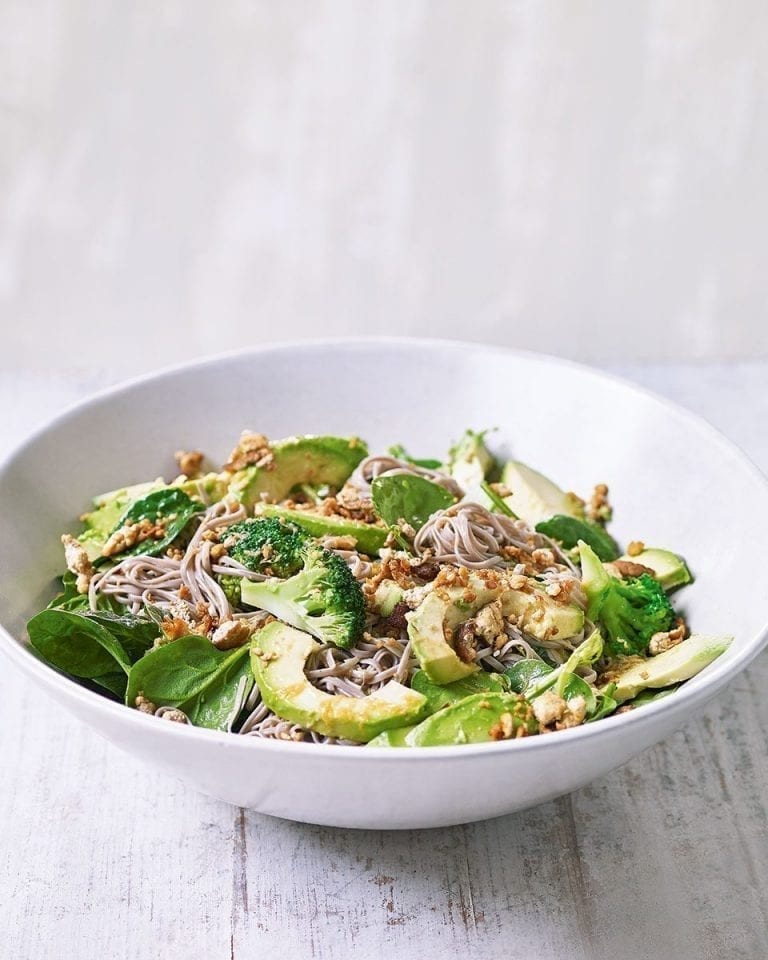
{"type": "Point", "coordinates": [664, 859]}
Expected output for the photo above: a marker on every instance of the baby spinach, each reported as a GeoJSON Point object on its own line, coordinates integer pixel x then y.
{"type": "Point", "coordinates": [69, 598]}
{"type": "Point", "coordinates": [569, 530]}
{"type": "Point", "coordinates": [191, 674]}
{"type": "Point", "coordinates": [409, 498]}
{"type": "Point", "coordinates": [399, 451]}
{"type": "Point", "coordinates": [90, 645]}
{"type": "Point", "coordinates": [522, 674]}
{"type": "Point", "coordinates": [169, 504]}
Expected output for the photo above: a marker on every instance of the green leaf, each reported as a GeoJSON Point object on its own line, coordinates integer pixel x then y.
{"type": "Point", "coordinates": [441, 695]}
{"type": "Point", "coordinates": [69, 598]}
{"type": "Point", "coordinates": [399, 451]}
{"type": "Point", "coordinates": [170, 504]}
{"type": "Point", "coordinates": [569, 530]}
{"type": "Point", "coordinates": [76, 644]}
{"type": "Point", "coordinates": [191, 674]}
{"type": "Point", "coordinates": [605, 704]}
{"type": "Point", "coordinates": [113, 683]}
{"type": "Point", "coordinates": [413, 499]}
{"type": "Point", "coordinates": [523, 673]}
{"type": "Point", "coordinates": [498, 503]}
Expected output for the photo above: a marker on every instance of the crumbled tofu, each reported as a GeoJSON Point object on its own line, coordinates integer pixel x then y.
{"type": "Point", "coordinates": [144, 705]}
{"type": "Point", "coordinates": [504, 729]}
{"type": "Point", "coordinates": [489, 621]}
{"type": "Point", "coordinates": [331, 542]}
{"type": "Point", "coordinates": [575, 713]}
{"type": "Point", "coordinates": [599, 509]}
{"type": "Point", "coordinates": [190, 463]}
{"type": "Point", "coordinates": [175, 716]}
{"type": "Point", "coordinates": [549, 708]}
{"type": "Point", "coordinates": [253, 449]}
{"type": "Point", "coordinates": [131, 534]}
{"type": "Point", "coordinates": [76, 558]}
{"type": "Point", "coordinates": [230, 634]}
{"type": "Point", "coordinates": [665, 640]}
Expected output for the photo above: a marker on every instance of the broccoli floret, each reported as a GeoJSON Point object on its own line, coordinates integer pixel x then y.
{"type": "Point", "coordinates": [231, 587]}
{"type": "Point", "coordinates": [318, 595]}
{"type": "Point", "coordinates": [268, 545]}
{"type": "Point", "coordinates": [630, 611]}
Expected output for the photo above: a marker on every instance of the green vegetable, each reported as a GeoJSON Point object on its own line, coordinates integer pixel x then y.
{"type": "Point", "coordinates": [192, 675]}
{"type": "Point", "coordinates": [586, 653]}
{"type": "Point", "coordinates": [320, 595]}
{"type": "Point", "coordinates": [412, 499]}
{"type": "Point", "coordinates": [267, 545]}
{"type": "Point", "coordinates": [521, 675]}
{"type": "Point", "coordinates": [498, 503]}
{"type": "Point", "coordinates": [108, 508]}
{"type": "Point", "coordinates": [296, 462]}
{"type": "Point", "coordinates": [170, 504]}
{"type": "Point", "coordinates": [441, 695]}
{"type": "Point", "coordinates": [605, 705]}
{"type": "Point", "coordinates": [279, 657]}
{"type": "Point", "coordinates": [630, 611]}
{"type": "Point", "coordinates": [369, 539]}
{"type": "Point", "coordinates": [569, 530]}
{"type": "Point", "coordinates": [69, 598]}
{"type": "Point", "coordinates": [474, 719]}
{"type": "Point", "coordinates": [399, 451]}
{"type": "Point", "coordinates": [535, 497]}
{"type": "Point", "coordinates": [91, 646]}
{"type": "Point", "coordinates": [669, 569]}
{"type": "Point", "coordinates": [470, 461]}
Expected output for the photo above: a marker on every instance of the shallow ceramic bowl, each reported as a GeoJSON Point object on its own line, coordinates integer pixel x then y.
{"type": "Point", "coordinates": [674, 482]}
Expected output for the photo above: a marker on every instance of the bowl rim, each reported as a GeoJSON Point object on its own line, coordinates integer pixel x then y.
{"type": "Point", "coordinates": [716, 675]}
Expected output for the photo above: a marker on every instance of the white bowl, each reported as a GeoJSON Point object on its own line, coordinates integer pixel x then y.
{"type": "Point", "coordinates": [674, 482]}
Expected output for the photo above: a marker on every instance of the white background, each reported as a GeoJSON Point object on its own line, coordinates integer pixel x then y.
{"type": "Point", "coordinates": [583, 178]}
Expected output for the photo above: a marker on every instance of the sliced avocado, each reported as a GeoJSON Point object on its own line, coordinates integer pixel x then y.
{"type": "Point", "coordinates": [673, 666]}
{"type": "Point", "coordinates": [569, 530]}
{"type": "Point", "coordinates": [370, 539]}
{"type": "Point", "coordinates": [434, 621]}
{"type": "Point", "coordinates": [109, 508]}
{"type": "Point", "coordinates": [534, 497]}
{"type": "Point", "coordinates": [392, 738]}
{"type": "Point", "coordinates": [211, 487]}
{"type": "Point", "coordinates": [540, 615]}
{"type": "Point", "coordinates": [480, 718]}
{"type": "Point", "coordinates": [669, 569]}
{"type": "Point", "coordinates": [430, 624]}
{"type": "Point", "coordinates": [470, 461]}
{"type": "Point", "coordinates": [297, 460]}
{"type": "Point", "coordinates": [387, 596]}
{"type": "Point", "coordinates": [443, 695]}
{"type": "Point", "coordinates": [278, 657]}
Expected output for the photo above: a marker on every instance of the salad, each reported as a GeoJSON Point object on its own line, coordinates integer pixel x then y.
{"type": "Point", "coordinates": [309, 591]}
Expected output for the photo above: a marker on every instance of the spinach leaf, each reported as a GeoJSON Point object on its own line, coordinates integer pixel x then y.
{"type": "Point", "coordinates": [191, 674]}
{"type": "Point", "coordinates": [170, 504]}
{"type": "Point", "coordinates": [569, 530]}
{"type": "Point", "coordinates": [90, 645]}
{"type": "Point", "coordinates": [522, 674]}
{"type": "Point", "coordinates": [605, 703]}
{"type": "Point", "coordinates": [413, 499]}
{"type": "Point", "coordinates": [399, 451]}
{"type": "Point", "coordinates": [69, 598]}
{"type": "Point", "coordinates": [571, 685]}
{"type": "Point", "coordinates": [442, 695]}
{"type": "Point", "coordinates": [114, 683]}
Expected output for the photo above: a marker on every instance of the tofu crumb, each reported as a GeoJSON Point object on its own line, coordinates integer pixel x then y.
{"type": "Point", "coordinates": [549, 708]}
{"type": "Point", "coordinates": [76, 559]}
{"type": "Point", "coordinates": [231, 634]}
{"type": "Point", "coordinates": [190, 463]}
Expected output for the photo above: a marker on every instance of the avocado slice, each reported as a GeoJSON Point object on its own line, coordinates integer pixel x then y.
{"type": "Point", "coordinates": [535, 497]}
{"type": "Point", "coordinates": [480, 718]}
{"type": "Point", "coordinates": [540, 615]}
{"type": "Point", "coordinates": [470, 461]}
{"type": "Point", "coordinates": [673, 666]}
{"type": "Point", "coordinates": [108, 509]}
{"type": "Point", "coordinates": [432, 624]}
{"type": "Point", "coordinates": [387, 596]}
{"type": "Point", "coordinates": [427, 627]}
{"type": "Point", "coordinates": [443, 695]}
{"type": "Point", "coordinates": [211, 487]}
{"type": "Point", "coordinates": [370, 539]}
{"type": "Point", "coordinates": [310, 459]}
{"type": "Point", "coordinates": [669, 568]}
{"type": "Point", "coordinates": [392, 738]}
{"type": "Point", "coordinates": [278, 658]}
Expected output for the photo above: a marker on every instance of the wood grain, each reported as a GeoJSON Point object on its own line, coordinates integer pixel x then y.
{"type": "Point", "coordinates": [664, 858]}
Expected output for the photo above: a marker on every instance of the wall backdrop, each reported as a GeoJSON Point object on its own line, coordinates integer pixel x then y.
{"type": "Point", "coordinates": [584, 178]}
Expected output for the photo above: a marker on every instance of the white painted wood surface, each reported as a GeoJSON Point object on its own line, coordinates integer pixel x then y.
{"type": "Point", "coordinates": [586, 177]}
{"type": "Point", "coordinates": [664, 859]}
